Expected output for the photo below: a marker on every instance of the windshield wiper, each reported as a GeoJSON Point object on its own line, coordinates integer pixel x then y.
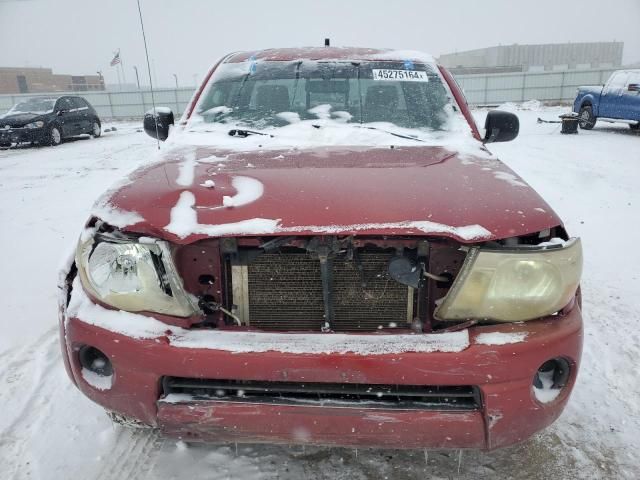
{"type": "Point", "coordinates": [245, 133]}
{"type": "Point", "coordinates": [390, 133]}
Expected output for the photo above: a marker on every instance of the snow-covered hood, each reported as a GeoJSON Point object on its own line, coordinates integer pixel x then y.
{"type": "Point", "coordinates": [203, 192]}
{"type": "Point", "coordinates": [18, 119]}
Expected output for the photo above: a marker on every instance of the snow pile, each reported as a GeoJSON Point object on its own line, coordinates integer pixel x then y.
{"type": "Point", "coordinates": [305, 343]}
{"type": "Point", "coordinates": [115, 216]}
{"type": "Point", "coordinates": [414, 55]}
{"type": "Point", "coordinates": [248, 190]}
{"type": "Point", "coordinates": [290, 117]}
{"type": "Point", "coordinates": [329, 128]}
{"type": "Point", "coordinates": [509, 178]}
{"type": "Point", "coordinates": [186, 172]}
{"type": "Point", "coordinates": [546, 393]}
{"type": "Point", "coordinates": [532, 105]}
{"type": "Point", "coordinates": [184, 222]}
{"type": "Point", "coordinates": [552, 242]}
{"type": "Point", "coordinates": [500, 338]}
{"type": "Point", "coordinates": [465, 232]}
{"type": "Point", "coordinates": [99, 382]}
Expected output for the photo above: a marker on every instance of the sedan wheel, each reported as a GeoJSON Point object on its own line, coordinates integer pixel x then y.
{"type": "Point", "coordinates": [96, 130]}
{"type": "Point", "coordinates": [55, 137]}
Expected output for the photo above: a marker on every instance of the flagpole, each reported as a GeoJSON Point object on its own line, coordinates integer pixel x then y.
{"type": "Point", "coordinates": [119, 80]}
{"type": "Point", "coordinates": [124, 79]}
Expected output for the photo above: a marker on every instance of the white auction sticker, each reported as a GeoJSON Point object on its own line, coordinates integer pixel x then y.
{"type": "Point", "coordinates": [400, 75]}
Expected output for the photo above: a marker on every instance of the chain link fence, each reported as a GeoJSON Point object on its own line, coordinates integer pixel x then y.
{"type": "Point", "coordinates": [480, 89]}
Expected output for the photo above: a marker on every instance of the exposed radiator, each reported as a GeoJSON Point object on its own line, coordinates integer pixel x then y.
{"type": "Point", "coordinates": [283, 291]}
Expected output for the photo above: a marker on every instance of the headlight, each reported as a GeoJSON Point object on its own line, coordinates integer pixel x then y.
{"type": "Point", "coordinates": [38, 124]}
{"type": "Point", "coordinates": [514, 285]}
{"type": "Point", "coordinates": [132, 276]}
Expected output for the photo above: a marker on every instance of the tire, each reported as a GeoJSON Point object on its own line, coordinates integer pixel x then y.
{"type": "Point", "coordinates": [587, 120]}
{"type": "Point", "coordinates": [96, 129]}
{"type": "Point", "coordinates": [634, 127]}
{"type": "Point", "coordinates": [55, 136]}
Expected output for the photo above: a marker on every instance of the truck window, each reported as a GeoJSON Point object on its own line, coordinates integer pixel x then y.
{"type": "Point", "coordinates": [617, 82]}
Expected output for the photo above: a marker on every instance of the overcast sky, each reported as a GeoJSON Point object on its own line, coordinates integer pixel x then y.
{"type": "Point", "coordinates": [187, 36]}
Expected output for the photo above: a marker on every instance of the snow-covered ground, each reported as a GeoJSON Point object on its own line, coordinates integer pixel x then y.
{"type": "Point", "coordinates": [49, 430]}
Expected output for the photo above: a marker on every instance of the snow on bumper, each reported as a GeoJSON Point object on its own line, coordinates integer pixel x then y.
{"type": "Point", "coordinates": [503, 373]}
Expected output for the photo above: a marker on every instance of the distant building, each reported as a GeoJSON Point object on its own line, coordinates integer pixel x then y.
{"type": "Point", "coordinates": [535, 58]}
{"type": "Point", "coordinates": [43, 80]}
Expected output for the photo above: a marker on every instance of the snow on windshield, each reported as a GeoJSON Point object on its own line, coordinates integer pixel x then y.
{"type": "Point", "coordinates": [33, 105]}
{"type": "Point", "coordinates": [316, 103]}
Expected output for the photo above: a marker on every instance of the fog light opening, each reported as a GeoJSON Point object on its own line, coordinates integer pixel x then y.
{"type": "Point", "coordinates": [97, 369]}
{"type": "Point", "coordinates": [95, 361]}
{"type": "Point", "coordinates": [550, 379]}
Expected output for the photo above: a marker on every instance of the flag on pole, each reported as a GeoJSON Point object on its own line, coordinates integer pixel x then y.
{"type": "Point", "coordinates": [116, 59]}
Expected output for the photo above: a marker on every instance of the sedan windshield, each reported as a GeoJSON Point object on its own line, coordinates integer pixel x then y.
{"type": "Point", "coordinates": [267, 94]}
{"type": "Point", "coordinates": [34, 105]}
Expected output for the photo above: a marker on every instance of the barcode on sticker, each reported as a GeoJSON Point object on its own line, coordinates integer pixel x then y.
{"type": "Point", "coordinates": [400, 75]}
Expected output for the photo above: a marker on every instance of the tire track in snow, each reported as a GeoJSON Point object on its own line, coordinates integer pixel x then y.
{"type": "Point", "coordinates": [134, 454]}
{"type": "Point", "coordinates": [15, 436]}
{"type": "Point", "coordinates": [15, 371]}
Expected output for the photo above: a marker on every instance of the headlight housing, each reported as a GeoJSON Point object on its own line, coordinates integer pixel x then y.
{"type": "Point", "coordinates": [514, 285]}
{"type": "Point", "coordinates": [132, 276]}
{"type": "Point", "coordinates": [38, 124]}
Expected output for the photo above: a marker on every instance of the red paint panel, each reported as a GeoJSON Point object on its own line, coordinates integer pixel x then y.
{"type": "Point", "coordinates": [233, 422]}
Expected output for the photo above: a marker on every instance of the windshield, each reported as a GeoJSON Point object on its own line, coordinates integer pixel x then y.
{"type": "Point", "coordinates": [34, 105]}
{"type": "Point", "coordinates": [272, 94]}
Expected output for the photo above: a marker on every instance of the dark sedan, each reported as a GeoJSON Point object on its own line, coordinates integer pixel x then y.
{"type": "Point", "coordinates": [48, 121]}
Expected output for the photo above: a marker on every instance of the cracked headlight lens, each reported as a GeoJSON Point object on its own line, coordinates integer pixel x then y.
{"type": "Point", "coordinates": [132, 276]}
{"type": "Point", "coordinates": [514, 285]}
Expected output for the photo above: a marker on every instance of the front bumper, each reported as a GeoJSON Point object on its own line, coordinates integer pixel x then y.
{"type": "Point", "coordinates": [22, 135]}
{"type": "Point", "coordinates": [509, 412]}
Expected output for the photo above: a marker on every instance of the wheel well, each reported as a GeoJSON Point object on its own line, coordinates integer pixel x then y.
{"type": "Point", "coordinates": [586, 103]}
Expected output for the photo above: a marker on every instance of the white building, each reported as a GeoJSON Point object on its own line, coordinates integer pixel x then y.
{"type": "Point", "coordinates": [544, 57]}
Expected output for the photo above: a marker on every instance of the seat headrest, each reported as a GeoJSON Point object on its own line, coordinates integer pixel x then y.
{"type": "Point", "coordinates": [272, 98]}
{"type": "Point", "coordinates": [382, 96]}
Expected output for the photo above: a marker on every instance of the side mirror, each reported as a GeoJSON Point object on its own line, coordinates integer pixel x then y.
{"type": "Point", "coordinates": [501, 126]}
{"type": "Point", "coordinates": [157, 124]}
{"type": "Point", "coordinates": [61, 112]}
{"type": "Point", "coordinates": [634, 87]}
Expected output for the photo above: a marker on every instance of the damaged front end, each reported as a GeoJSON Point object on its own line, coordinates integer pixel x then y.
{"type": "Point", "coordinates": [432, 335]}
{"type": "Point", "coordinates": [331, 283]}
{"type": "Point", "coordinates": [362, 283]}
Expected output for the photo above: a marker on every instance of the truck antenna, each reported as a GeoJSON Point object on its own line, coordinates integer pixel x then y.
{"type": "Point", "coordinates": [153, 100]}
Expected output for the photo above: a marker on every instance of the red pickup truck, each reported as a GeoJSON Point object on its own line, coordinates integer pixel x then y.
{"type": "Point", "coordinates": [325, 252]}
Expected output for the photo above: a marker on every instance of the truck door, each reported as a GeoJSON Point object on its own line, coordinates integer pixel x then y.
{"type": "Point", "coordinates": [612, 98]}
{"type": "Point", "coordinates": [632, 97]}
